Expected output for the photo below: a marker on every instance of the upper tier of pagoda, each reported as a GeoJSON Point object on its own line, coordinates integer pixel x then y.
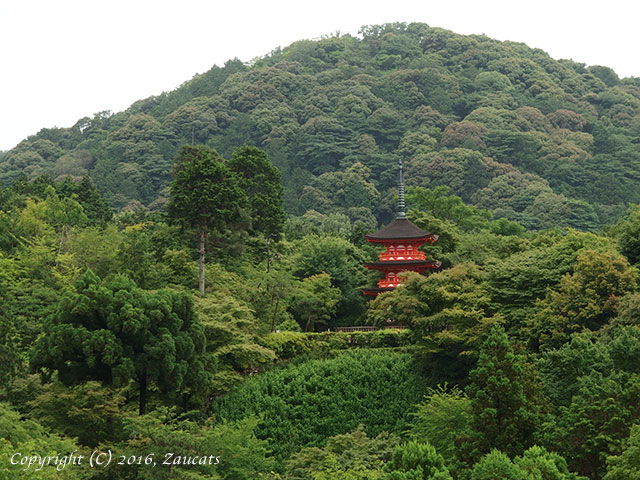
{"type": "Point", "coordinates": [401, 229]}
{"type": "Point", "coordinates": [402, 239]}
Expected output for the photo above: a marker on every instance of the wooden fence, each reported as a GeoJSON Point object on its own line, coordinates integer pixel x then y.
{"type": "Point", "coordinates": [367, 328]}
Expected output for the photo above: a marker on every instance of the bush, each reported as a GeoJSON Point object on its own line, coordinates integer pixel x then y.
{"type": "Point", "coordinates": [292, 344]}
{"type": "Point", "coordinates": [303, 405]}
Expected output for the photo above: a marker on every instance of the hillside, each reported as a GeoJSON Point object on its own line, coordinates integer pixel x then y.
{"type": "Point", "coordinates": [509, 129]}
{"type": "Point", "coordinates": [204, 328]}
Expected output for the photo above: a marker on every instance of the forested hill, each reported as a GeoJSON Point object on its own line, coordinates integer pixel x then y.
{"type": "Point", "coordinates": [509, 129]}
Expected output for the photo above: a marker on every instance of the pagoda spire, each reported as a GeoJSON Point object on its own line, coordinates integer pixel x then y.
{"type": "Point", "coordinates": [401, 206]}
{"type": "Point", "coordinates": [402, 240]}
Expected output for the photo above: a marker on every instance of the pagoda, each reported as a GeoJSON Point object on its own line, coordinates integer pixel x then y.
{"type": "Point", "coordinates": [402, 239]}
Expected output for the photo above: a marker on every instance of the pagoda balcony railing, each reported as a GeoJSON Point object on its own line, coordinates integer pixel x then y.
{"type": "Point", "coordinates": [386, 283]}
{"type": "Point", "coordinates": [388, 257]}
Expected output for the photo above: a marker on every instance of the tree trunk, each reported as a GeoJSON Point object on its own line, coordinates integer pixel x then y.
{"type": "Point", "coordinates": [143, 392]}
{"type": "Point", "coordinates": [275, 315]}
{"type": "Point", "coordinates": [203, 244]}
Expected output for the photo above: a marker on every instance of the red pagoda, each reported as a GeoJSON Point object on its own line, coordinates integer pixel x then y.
{"type": "Point", "coordinates": [402, 238]}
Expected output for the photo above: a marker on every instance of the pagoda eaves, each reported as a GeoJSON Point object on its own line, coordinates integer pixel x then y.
{"type": "Point", "coordinates": [402, 239]}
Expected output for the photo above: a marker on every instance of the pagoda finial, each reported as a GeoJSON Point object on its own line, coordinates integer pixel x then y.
{"type": "Point", "coordinates": [401, 207]}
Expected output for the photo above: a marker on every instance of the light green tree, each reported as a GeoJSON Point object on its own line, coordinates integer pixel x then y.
{"type": "Point", "coordinates": [416, 461]}
{"type": "Point", "coordinates": [626, 466]}
{"type": "Point", "coordinates": [314, 301]}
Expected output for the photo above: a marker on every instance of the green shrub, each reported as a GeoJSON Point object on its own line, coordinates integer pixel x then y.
{"type": "Point", "coordinates": [303, 405]}
{"type": "Point", "coordinates": [292, 344]}
{"type": "Point", "coordinates": [287, 344]}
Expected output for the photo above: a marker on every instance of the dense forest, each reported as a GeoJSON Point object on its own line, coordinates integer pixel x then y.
{"type": "Point", "coordinates": [171, 275]}
{"type": "Point", "coordinates": [541, 141]}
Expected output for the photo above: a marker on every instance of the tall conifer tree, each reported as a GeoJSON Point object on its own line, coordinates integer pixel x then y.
{"type": "Point", "coordinates": [506, 401]}
{"type": "Point", "coordinates": [204, 194]}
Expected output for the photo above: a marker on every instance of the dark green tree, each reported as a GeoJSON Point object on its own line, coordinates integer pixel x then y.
{"type": "Point", "coordinates": [587, 299]}
{"type": "Point", "coordinates": [95, 206]}
{"type": "Point", "coordinates": [262, 184]}
{"type": "Point", "coordinates": [114, 332]}
{"type": "Point", "coordinates": [597, 421]}
{"type": "Point", "coordinates": [448, 312]}
{"type": "Point", "coordinates": [342, 261]}
{"type": "Point", "coordinates": [506, 401]}
{"type": "Point", "coordinates": [204, 194]}
{"type": "Point", "coordinates": [560, 369]}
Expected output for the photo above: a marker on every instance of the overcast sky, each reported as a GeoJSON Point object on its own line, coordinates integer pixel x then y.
{"type": "Point", "coordinates": [62, 60]}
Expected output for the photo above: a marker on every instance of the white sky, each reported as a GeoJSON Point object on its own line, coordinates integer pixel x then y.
{"type": "Point", "coordinates": [61, 60]}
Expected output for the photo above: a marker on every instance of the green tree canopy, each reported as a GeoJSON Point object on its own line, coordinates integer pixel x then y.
{"type": "Point", "coordinates": [262, 184]}
{"type": "Point", "coordinates": [586, 299]}
{"type": "Point", "coordinates": [314, 301]}
{"type": "Point", "coordinates": [441, 419]}
{"type": "Point", "coordinates": [204, 194]}
{"type": "Point", "coordinates": [114, 332]}
{"type": "Point", "coordinates": [416, 461]}
{"type": "Point", "coordinates": [506, 400]}
{"type": "Point", "coordinates": [448, 313]}
{"type": "Point", "coordinates": [626, 465]}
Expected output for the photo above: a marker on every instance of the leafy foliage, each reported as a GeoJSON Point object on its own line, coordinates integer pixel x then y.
{"type": "Point", "coordinates": [417, 461]}
{"type": "Point", "coordinates": [373, 388]}
{"type": "Point", "coordinates": [543, 142]}
{"type": "Point", "coordinates": [351, 455]}
{"type": "Point", "coordinates": [115, 332]}
{"type": "Point", "coordinates": [184, 444]}
{"type": "Point", "coordinates": [504, 148]}
{"type": "Point", "coordinates": [626, 464]}
{"type": "Point", "coordinates": [205, 194]}
{"type": "Point", "coordinates": [448, 313]}
{"type": "Point", "coordinates": [261, 183]}
{"type": "Point", "coordinates": [505, 404]}
{"type": "Point", "coordinates": [441, 419]}
{"type": "Point", "coordinates": [28, 437]}
{"type": "Point", "coordinates": [586, 299]}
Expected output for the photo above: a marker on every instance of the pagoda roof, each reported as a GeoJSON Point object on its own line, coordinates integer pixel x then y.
{"type": "Point", "coordinates": [400, 229]}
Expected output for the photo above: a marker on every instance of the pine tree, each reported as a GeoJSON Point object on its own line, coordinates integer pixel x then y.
{"type": "Point", "coordinates": [204, 193]}
{"type": "Point", "coordinates": [506, 401]}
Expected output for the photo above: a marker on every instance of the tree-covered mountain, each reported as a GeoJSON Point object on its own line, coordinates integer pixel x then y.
{"type": "Point", "coordinates": [204, 327]}
{"type": "Point", "coordinates": [508, 128]}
